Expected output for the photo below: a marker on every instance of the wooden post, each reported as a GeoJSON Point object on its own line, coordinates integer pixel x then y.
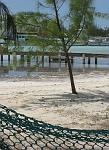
{"type": "Point", "coordinates": [83, 67]}
{"type": "Point", "coordinates": [28, 60]}
{"type": "Point", "coordinates": [83, 55]}
{"type": "Point", "coordinates": [88, 60]}
{"type": "Point", "coordinates": [22, 58]}
{"type": "Point", "coordinates": [72, 59]}
{"type": "Point", "coordinates": [1, 59]}
{"type": "Point", "coordinates": [14, 57]}
{"type": "Point", "coordinates": [49, 60]}
{"type": "Point", "coordinates": [59, 58]}
{"type": "Point", "coordinates": [65, 60]}
{"type": "Point", "coordinates": [14, 60]}
{"type": "Point", "coordinates": [36, 59]}
{"type": "Point", "coordinates": [8, 58]}
{"type": "Point", "coordinates": [95, 60]}
{"type": "Point", "coordinates": [42, 60]}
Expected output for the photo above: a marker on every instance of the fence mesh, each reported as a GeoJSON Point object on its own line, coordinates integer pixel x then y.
{"type": "Point", "coordinates": [19, 132]}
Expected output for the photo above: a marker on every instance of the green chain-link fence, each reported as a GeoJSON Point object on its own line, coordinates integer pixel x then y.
{"type": "Point", "coordinates": [18, 132]}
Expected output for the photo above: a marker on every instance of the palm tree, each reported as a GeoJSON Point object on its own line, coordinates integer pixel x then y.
{"type": "Point", "coordinates": [8, 26]}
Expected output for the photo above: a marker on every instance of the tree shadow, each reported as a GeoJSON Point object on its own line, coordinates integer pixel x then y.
{"type": "Point", "coordinates": [66, 99]}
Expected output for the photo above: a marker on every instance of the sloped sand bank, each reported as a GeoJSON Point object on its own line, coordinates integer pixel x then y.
{"type": "Point", "coordinates": [49, 99]}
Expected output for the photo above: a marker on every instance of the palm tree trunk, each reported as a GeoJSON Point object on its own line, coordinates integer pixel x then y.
{"type": "Point", "coordinates": [71, 74]}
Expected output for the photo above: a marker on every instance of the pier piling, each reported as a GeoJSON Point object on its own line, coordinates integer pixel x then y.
{"type": "Point", "coordinates": [95, 60]}
{"type": "Point", "coordinates": [60, 57]}
{"type": "Point", "coordinates": [83, 55]}
{"type": "Point", "coordinates": [72, 60]}
{"type": "Point", "coordinates": [88, 60]}
{"type": "Point", "coordinates": [22, 58]}
{"type": "Point", "coordinates": [1, 58]}
{"type": "Point", "coordinates": [14, 57]}
{"type": "Point", "coordinates": [43, 61]}
{"type": "Point", "coordinates": [8, 58]}
{"type": "Point", "coordinates": [49, 60]}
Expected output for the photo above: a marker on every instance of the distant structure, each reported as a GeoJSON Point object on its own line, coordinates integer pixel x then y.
{"type": "Point", "coordinates": [98, 41]}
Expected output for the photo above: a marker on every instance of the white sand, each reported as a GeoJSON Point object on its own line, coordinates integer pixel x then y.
{"type": "Point", "coordinates": [50, 99]}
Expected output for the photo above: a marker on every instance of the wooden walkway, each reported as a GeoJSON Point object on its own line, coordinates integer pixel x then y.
{"type": "Point", "coordinates": [53, 55]}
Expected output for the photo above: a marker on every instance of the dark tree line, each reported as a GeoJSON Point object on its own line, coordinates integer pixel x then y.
{"type": "Point", "coordinates": [98, 31]}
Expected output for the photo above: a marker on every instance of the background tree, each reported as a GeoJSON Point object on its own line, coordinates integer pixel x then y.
{"type": "Point", "coordinates": [28, 21]}
{"type": "Point", "coordinates": [97, 30]}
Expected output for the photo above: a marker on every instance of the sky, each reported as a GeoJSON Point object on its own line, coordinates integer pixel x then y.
{"type": "Point", "coordinates": [30, 5]}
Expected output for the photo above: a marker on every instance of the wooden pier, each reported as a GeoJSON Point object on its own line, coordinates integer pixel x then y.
{"type": "Point", "coordinates": [60, 57]}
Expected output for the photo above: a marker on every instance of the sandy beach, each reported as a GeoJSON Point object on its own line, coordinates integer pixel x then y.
{"type": "Point", "coordinates": [49, 99]}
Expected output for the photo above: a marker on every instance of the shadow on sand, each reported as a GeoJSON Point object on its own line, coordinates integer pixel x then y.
{"type": "Point", "coordinates": [66, 99]}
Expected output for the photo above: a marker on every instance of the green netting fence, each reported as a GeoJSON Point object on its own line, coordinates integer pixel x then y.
{"type": "Point", "coordinates": [19, 132]}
